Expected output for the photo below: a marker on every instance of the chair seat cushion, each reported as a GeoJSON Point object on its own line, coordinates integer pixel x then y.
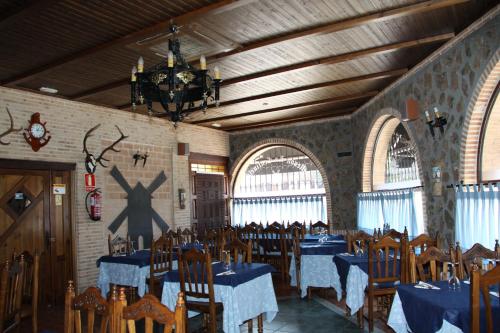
{"type": "Point", "coordinates": [383, 285]}
{"type": "Point", "coordinates": [203, 306]}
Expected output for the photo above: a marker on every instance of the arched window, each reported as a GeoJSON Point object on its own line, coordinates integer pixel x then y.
{"type": "Point", "coordinates": [489, 163]}
{"type": "Point", "coordinates": [395, 198]}
{"type": "Point", "coordinates": [278, 183]}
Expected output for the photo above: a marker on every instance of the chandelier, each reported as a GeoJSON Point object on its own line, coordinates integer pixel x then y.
{"type": "Point", "coordinates": [175, 84]}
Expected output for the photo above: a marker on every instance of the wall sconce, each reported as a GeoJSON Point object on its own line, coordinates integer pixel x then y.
{"type": "Point", "coordinates": [439, 121]}
{"type": "Point", "coordinates": [140, 157]}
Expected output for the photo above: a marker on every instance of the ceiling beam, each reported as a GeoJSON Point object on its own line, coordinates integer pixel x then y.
{"type": "Point", "coordinates": [331, 114]}
{"type": "Point", "coordinates": [133, 37]}
{"type": "Point", "coordinates": [342, 57]}
{"type": "Point", "coordinates": [376, 17]}
{"type": "Point", "coordinates": [337, 99]}
{"type": "Point", "coordinates": [33, 7]}
{"type": "Point", "coordinates": [228, 5]}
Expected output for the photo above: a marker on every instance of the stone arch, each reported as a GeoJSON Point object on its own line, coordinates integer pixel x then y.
{"type": "Point", "coordinates": [476, 111]}
{"type": "Point", "coordinates": [240, 161]}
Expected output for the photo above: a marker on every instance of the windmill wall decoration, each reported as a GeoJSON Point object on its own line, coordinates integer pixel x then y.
{"type": "Point", "coordinates": [139, 210]}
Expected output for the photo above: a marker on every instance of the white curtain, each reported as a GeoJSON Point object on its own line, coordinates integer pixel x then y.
{"type": "Point", "coordinates": [399, 208]}
{"type": "Point", "coordinates": [270, 209]}
{"type": "Point", "coordinates": [477, 215]}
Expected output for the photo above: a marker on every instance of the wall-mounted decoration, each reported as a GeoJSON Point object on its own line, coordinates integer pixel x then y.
{"type": "Point", "coordinates": [90, 160]}
{"type": "Point", "coordinates": [140, 157]}
{"type": "Point", "coordinates": [93, 204]}
{"type": "Point", "coordinates": [10, 130]}
{"type": "Point", "coordinates": [182, 198]}
{"type": "Point", "coordinates": [439, 121]}
{"type": "Point", "coordinates": [437, 188]}
{"type": "Point", "coordinates": [411, 110]}
{"type": "Point", "coordinates": [139, 210]}
{"type": "Point", "coordinates": [36, 133]}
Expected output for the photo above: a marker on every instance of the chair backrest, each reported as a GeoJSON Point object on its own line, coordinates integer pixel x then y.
{"type": "Point", "coordinates": [195, 274]}
{"type": "Point", "coordinates": [161, 260]}
{"type": "Point", "coordinates": [272, 239]}
{"type": "Point", "coordinates": [396, 235]}
{"type": "Point", "coordinates": [252, 233]}
{"type": "Point", "coordinates": [91, 302]}
{"type": "Point", "coordinates": [423, 242]}
{"type": "Point", "coordinates": [295, 231]}
{"type": "Point", "coordinates": [119, 245]}
{"type": "Point", "coordinates": [316, 228]}
{"type": "Point", "coordinates": [151, 310]}
{"type": "Point", "coordinates": [238, 249]}
{"type": "Point", "coordinates": [358, 240]}
{"type": "Point", "coordinates": [187, 235]}
{"type": "Point", "coordinates": [174, 235]}
{"type": "Point", "coordinates": [214, 241]}
{"type": "Point", "coordinates": [383, 257]}
{"type": "Point", "coordinates": [11, 292]}
{"type": "Point", "coordinates": [435, 260]}
{"type": "Point", "coordinates": [467, 259]}
{"type": "Point", "coordinates": [481, 284]}
{"type": "Point", "coordinates": [31, 279]}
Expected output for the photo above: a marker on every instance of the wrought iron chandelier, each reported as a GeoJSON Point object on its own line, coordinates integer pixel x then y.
{"type": "Point", "coordinates": [175, 84]}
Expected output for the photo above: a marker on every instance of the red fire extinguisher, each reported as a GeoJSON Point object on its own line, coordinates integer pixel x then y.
{"type": "Point", "coordinates": [93, 204]}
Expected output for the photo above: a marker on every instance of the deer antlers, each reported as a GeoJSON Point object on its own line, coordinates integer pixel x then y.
{"type": "Point", "coordinates": [10, 130]}
{"type": "Point", "coordinates": [90, 160]}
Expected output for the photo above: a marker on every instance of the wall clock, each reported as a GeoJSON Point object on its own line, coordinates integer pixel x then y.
{"type": "Point", "coordinates": [36, 133]}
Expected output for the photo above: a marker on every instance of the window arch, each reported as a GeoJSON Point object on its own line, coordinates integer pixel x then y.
{"type": "Point", "coordinates": [391, 195]}
{"type": "Point", "coordinates": [489, 154]}
{"type": "Point", "coordinates": [278, 183]}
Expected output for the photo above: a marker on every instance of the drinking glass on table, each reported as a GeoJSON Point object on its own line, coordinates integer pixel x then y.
{"type": "Point", "coordinates": [226, 256]}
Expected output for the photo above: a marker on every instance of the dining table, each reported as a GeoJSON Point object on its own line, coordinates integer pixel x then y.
{"type": "Point", "coordinates": [131, 269]}
{"type": "Point", "coordinates": [435, 307]}
{"type": "Point", "coordinates": [316, 265]}
{"type": "Point", "coordinates": [245, 290]}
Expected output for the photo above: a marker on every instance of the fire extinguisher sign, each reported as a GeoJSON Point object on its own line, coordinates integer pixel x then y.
{"type": "Point", "coordinates": [89, 182]}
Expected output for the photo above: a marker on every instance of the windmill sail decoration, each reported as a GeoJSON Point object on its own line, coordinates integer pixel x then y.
{"type": "Point", "coordinates": [139, 210]}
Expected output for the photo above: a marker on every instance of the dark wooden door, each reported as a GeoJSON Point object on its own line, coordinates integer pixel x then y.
{"type": "Point", "coordinates": [209, 206]}
{"type": "Point", "coordinates": [32, 218]}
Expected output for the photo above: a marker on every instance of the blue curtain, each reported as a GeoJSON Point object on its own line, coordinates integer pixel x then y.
{"type": "Point", "coordinates": [398, 208]}
{"type": "Point", "coordinates": [477, 215]}
{"type": "Point", "coordinates": [269, 209]}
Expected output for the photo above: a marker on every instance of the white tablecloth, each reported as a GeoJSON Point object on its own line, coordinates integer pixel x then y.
{"type": "Point", "coordinates": [124, 275]}
{"type": "Point", "coordinates": [316, 271]}
{"type": "Point", "coordinates": [357, 281]}
{"type": "Point", "coordinates": [241, 303]}
{"type": "Point", "coordinates": [397, 320]}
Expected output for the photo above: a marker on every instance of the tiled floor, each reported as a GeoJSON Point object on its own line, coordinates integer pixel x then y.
{"type": "Point", "coordinates": [303, 316]}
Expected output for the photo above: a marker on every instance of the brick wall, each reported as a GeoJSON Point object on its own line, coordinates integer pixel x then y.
{"type": "Point", "coordinates": [68, 121]}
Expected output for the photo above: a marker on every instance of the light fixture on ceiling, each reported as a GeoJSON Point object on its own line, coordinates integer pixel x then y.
{"type": "Point", "coordinates": [175, 84]}
{"type": "Point", "coordinates": [216, 125]}
{"type": "Point", "coordinates": [48, 90]}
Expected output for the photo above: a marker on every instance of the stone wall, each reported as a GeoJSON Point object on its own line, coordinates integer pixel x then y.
{"type": "Point", "coordinates": [68, 121]}
{"type": "Point", "coordinates": [324, 139]}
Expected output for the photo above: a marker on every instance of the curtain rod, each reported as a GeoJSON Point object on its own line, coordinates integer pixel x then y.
{"type": "Point", "coordinates": [395, 189]}
{"type": "Point", "coordinates": [283, 196]}
{"type": "Point", "coordinates": [462, 184]}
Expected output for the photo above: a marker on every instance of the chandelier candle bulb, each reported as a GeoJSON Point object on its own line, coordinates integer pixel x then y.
{"type": "Point", "coordinates": [216, 73]}
{"type": "Point", "coordinates": [133, 78]}
{"type": "Point", "coordinates": [140, 65]}
{"type": "Point", "coordinates": [428, 116]}
{"type": "Point", "coordinates": [437, 113]}
{"type": "Point", "coordinates": [203, 63]}
{"type": "Point", "coordinates": [170, 60]}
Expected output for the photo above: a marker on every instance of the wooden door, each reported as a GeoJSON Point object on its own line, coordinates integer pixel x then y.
{"type": "Point", "coordinates": [33, 219]}
{"type": "Point", "coordinates": [210, 202]}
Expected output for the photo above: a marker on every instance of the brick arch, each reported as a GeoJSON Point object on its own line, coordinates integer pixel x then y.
{"type": "Point", "coordinates": [476, 111]}
{"type": "Point", "coordinates": [240, 161]}
{"type": "Point", "coordinates": [370, 144]}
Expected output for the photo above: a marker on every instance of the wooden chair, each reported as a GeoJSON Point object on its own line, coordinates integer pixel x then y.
{"type": "Point", "coordinates": [383, 272]}
{"type": "Point", "coordinates": [91, 302]}
{"type": "Point", "coordinates": [467, 259]}
{"type": "Point", "coordinates": [316, 228]}
{"type": "Point", "coordinates": [396, 235]}
{"type": "Point", "coordinates": [31, 288]}
{"type": "Point", "coordinates": [119, 245]}
{"type": "Point", "coordinates": [187, 235]}
{"type": "Point", "coordinates": [11, 292]}
{"type": "Point", "coordinates": [482, 283]}
{"type": "Point", "coordinates": [196, 281]}
{"type": "Point", "coordinates": [251, 233]}
{"type": "Point", "coordinates": [275, 250]}
{"type": "Point", "coordinates": [238, 249]}
{"type": "Point", "coordinates": [275, 224]}
{"type": "Point", "coordinates": [151, 310]}
{"type": "Point", "coordinates": [214, 241]}
{"type": "Point", "coordinates": [436, 260]}
{"type": "Point", "coordinates": [174, 235]}
{"type": "Point", "coordinates": [358, 240]}
{"type": "Point", "coordinates": [297, 256]}
{"type": "Point", "coordinates": [161, 262]}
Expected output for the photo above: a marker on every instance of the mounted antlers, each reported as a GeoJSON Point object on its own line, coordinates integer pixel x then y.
{"type": "Point", "coordinates": [90, 160]}
{"type": "Point", "coordinates": [10, 130]}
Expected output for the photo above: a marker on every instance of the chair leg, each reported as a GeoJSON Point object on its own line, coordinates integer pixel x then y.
{"type": "Point", "coordinates": [370, 312]}
{"type": "Point", "coordinates": [260, 323]}
{"type": "Point", "coordinates": [250, 325]}
{"type": "Point", "coordinates": [360, 318]}
{"type": "Point", "coordinates": [213, 321]}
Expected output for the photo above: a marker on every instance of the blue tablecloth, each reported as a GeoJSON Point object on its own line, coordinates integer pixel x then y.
{"type": "Point", "coordinates": [444, 304]}
{"type": "Point", "coordinates": [343, 263]}
{"type": "Point", "coordinates": [314, 238]}
{"type": "Point", "coordinates": [243, 273]}
{"type": "Point", "coordinates": [327, 248]}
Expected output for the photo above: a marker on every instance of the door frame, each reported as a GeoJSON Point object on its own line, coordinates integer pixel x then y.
{"type": "Point", "coordinates": [33, 165]}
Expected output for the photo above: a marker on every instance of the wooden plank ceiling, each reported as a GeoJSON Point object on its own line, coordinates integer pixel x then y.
{"type": "Point", "coordinates": [282, 61]}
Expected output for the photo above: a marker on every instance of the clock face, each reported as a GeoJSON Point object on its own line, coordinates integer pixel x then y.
{"type": "Point", "coordinates": [37, 131]}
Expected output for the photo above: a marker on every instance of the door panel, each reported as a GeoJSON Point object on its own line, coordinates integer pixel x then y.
{"type": "Point", "coordinates": [210, 202]}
